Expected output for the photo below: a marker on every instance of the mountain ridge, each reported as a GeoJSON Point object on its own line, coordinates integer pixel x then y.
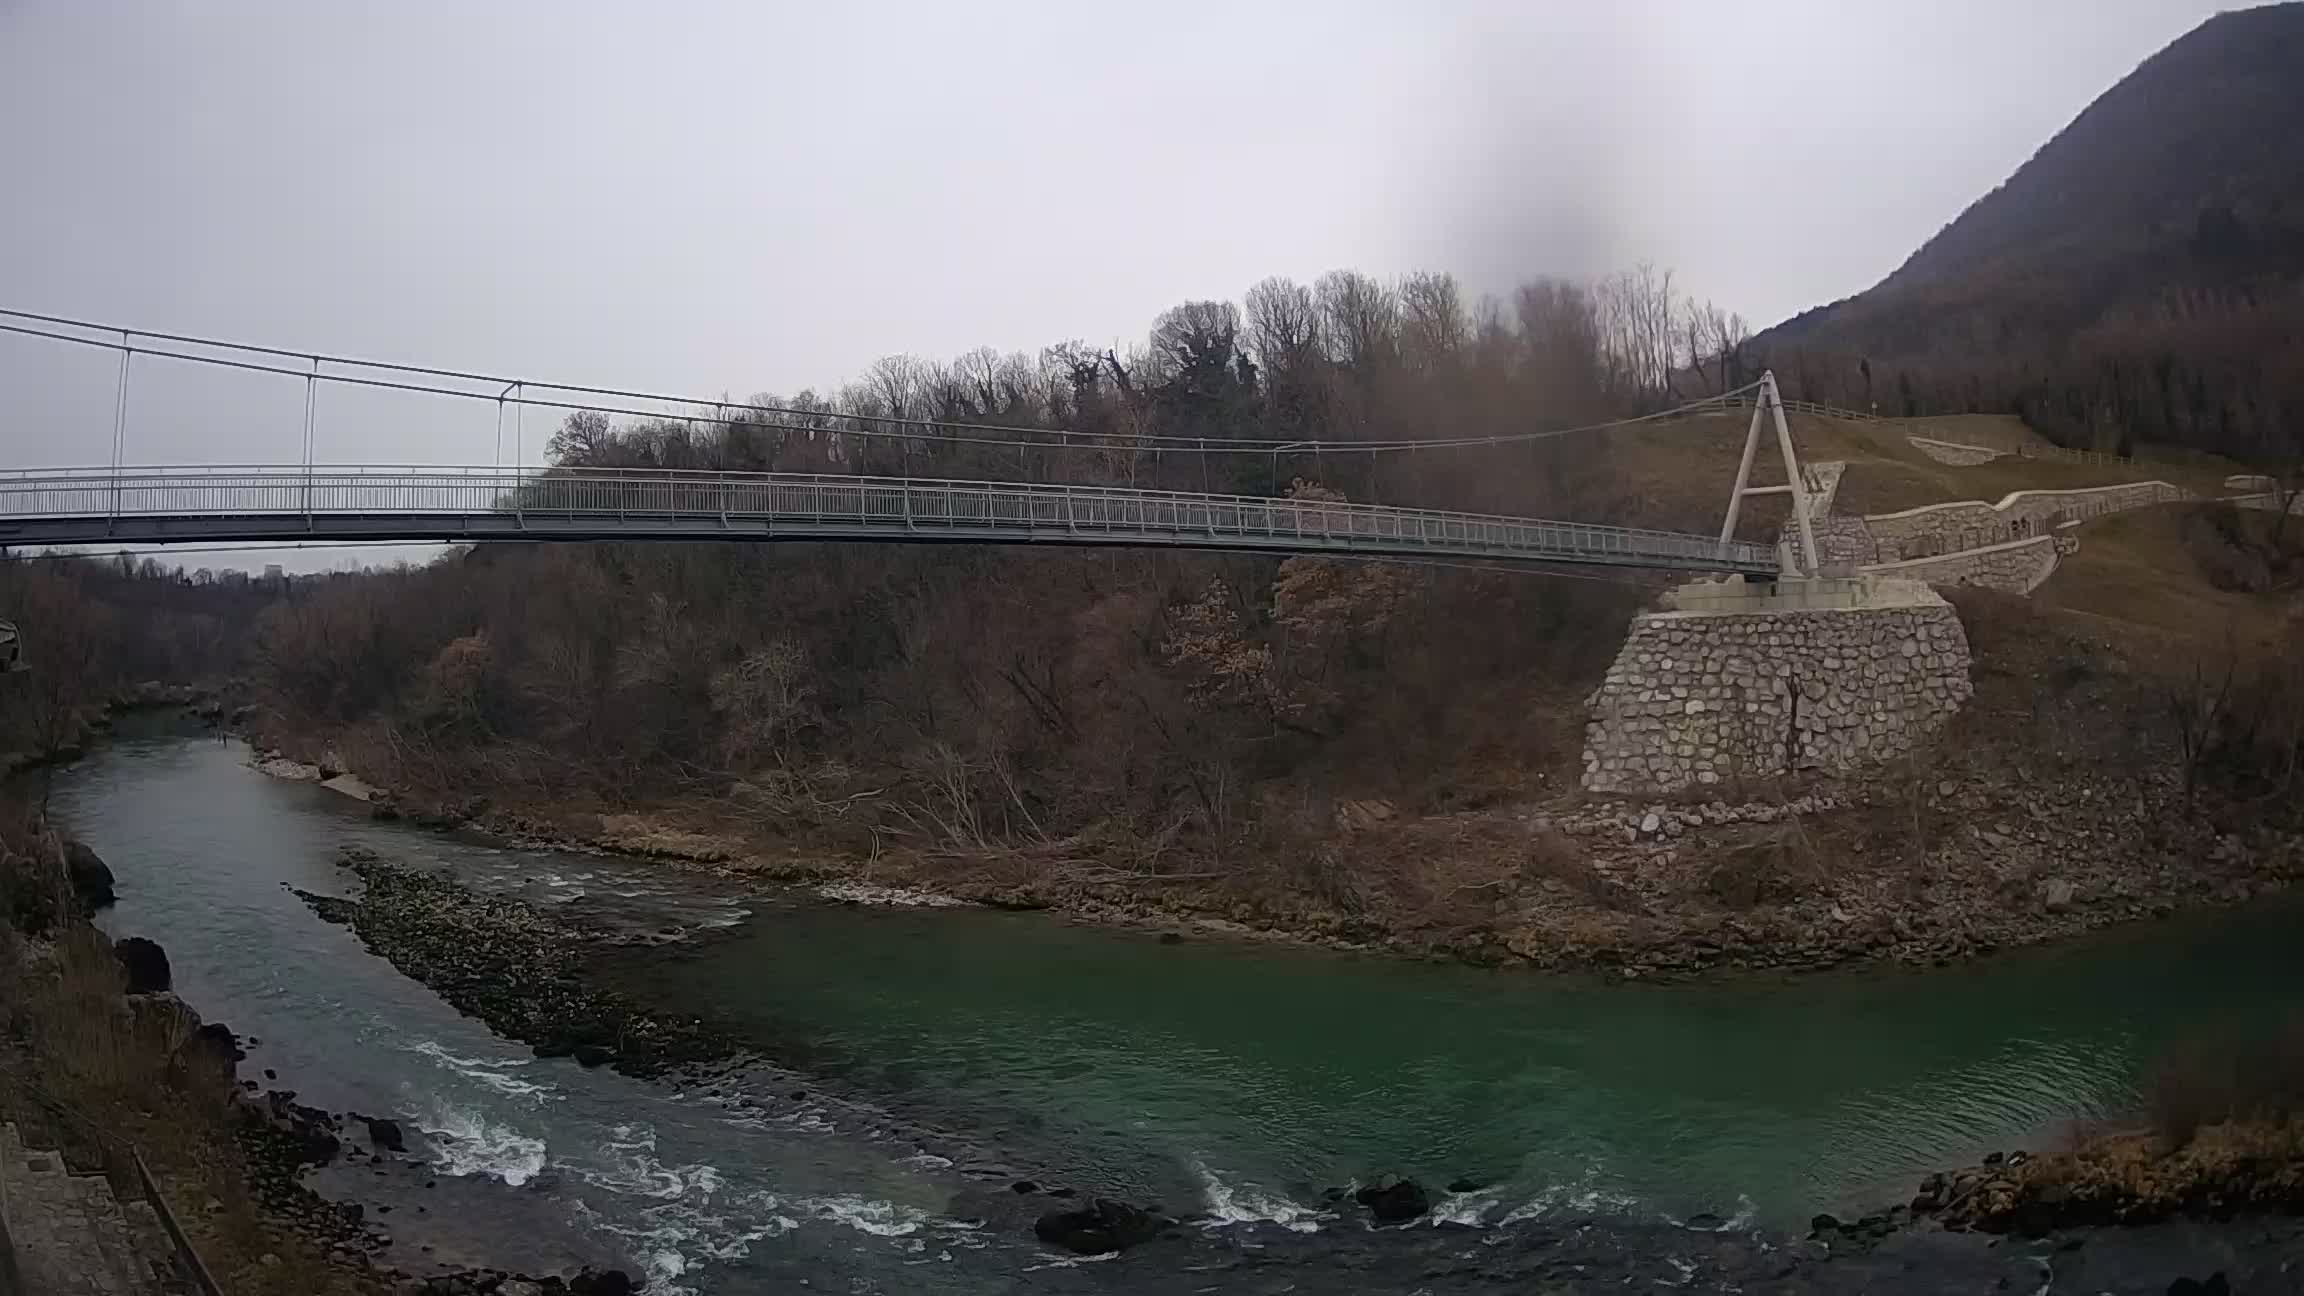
{"type": "Point", "coordinates": [2161, 231]}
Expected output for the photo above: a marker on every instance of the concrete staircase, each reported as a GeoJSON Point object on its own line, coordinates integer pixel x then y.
{"type": "Point", "coordinates": [71, 1236]}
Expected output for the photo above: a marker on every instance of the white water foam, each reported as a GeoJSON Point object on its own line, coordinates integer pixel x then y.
{"type": "Point", "coordinates": [466, 1143]}
{"type": "Point", "coordinates": [1577, 1199]}
{"type": "Point", "coordinates": [1249, 1204]}
{"type": "Point", "coordinates": [879, 1218]}
{"type": "Point", "coordinates": [633, 1169]}
{"type": "Point", "coordinates": [1747, 1211]}
{"type": "Point", "coordinates": [656, 1245]}
{"type": "Point", "coordinates": [807, 1120]}
{"type": "Point", "coordinates": [689, 1218]}
{"type": "Point", "coordinates": [1464, 1208]}
{"type": "Point", "coordinates": [1067, 1262]}
{"type": "Point", "coordinates": [491, 1073]}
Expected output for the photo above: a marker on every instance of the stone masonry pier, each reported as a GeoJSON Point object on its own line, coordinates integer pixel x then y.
{"type": "Point", "coordinates": [1734, 680]}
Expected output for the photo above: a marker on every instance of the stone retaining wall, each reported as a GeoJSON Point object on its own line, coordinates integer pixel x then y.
{"type": "Point", "coordinates": [1954, 453]}
{"type": "Point", "coordinates": [1696, 698]}
{"type": "Point", "coordinates": [2017, 567]}
{"type": "Point", "coordinates": [2268, 502]}
{"type": "Point", "coordinates": [1845, 541]}
{"type": "Point", "coordinates": [1942, 528]}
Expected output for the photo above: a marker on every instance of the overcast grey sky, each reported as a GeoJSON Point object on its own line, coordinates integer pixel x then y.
{"type": "Point", "coordinates": [739, 197]}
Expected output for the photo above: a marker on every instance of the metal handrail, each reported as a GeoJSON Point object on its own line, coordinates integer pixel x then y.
{"type": "Point", "coordinates": [1744, 400]}
{"type": "Point", "coordinates": [637, 500]}
{"type": "Point", "coordinates": [121, 1154]}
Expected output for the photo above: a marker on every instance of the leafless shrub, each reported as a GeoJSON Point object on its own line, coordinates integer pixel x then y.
{"type": "Point", "coordinates": [1773, 866]}
{"type": "Point", "coordinates": [2256, 1076]}
{"type": "Point", "coordinates": [1554, 856]}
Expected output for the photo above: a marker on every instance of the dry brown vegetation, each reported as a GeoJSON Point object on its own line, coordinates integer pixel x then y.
{"type": "Point", "coordinates": [2255, 1078]}
{"type": "Point", "coordinates": [94, 627]}
{"type": "Point", "coordinates": [1158, 712]}
{"type": "Point", "coordinates": [2226, 1134]}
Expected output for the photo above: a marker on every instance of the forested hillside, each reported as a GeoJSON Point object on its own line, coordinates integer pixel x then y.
{"type": "Point", "coordinates": [1148, 705]}
{"type": "Point", "coordinates": [2141, 279]}
{"type": "Point", "coordinates": [92, 629]}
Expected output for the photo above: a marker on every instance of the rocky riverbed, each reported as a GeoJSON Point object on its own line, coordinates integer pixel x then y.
{"type": "Point", "coordinates": [285, 1142]}
{"type": "Point", "coordinates": [513, 966]}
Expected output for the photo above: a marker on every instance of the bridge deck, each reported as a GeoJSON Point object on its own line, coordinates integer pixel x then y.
{"type": "Point", "coordinates": [163, 505]}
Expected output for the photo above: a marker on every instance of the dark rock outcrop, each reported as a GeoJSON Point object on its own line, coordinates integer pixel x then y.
{"type": "Point", "coordinates": [299, 1135]}
{"type": "Point", "coordinates": [1101, 1226]}
{"type": "Point", "coordinates": [1395, 1202]}
{"type": "Point", "coordinates": [219, 1038]}
{"type": "Point", "coordinates": [385, 1135]}
{"type": "Point", "coordinates": [1868, 1231]}
{"type": "Point", "coordinates": [91, 879]}
{"type": "Point", "coordinates": [602, 1282]}
{"type": "Point", "coordinates": [145, 963]}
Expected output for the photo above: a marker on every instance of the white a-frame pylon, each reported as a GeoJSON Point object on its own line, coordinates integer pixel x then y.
{"type": "Point", "coordinates": [1768, 404]}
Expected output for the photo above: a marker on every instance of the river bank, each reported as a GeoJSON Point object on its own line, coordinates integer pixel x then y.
{"type": "Point", "coordinates": [2058, 801]}
{"type": "Point", "coordinates": [1923, 865]}
{"type": "Point", "coordinates": [99, 1054]}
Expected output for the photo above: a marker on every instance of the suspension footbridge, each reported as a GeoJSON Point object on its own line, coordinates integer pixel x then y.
{"type": "Point", "coordinates": [125, 503]}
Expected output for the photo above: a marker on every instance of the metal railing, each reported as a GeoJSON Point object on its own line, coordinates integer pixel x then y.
{"type": "Point", "coordinates": [2062, 455]}
{"type": "Point", "coordinates": [1742, 401]}
{"type": "Point", "coordinates": [264, 502]}
{"type": "Point", "coordinates": [1735, 401]}
{"type": "Point", "coordinates": [122, 1159]}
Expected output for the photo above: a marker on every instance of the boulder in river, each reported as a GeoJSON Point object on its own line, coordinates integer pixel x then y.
{"type": "Point", "coordinates": [385, 1135]}
{"type": "Point", "coordinates": [1396, 1202]}
{"type": "Point", "coordinates": [91, 879]}
{"type": "Point", "coordinates": [1102, 1226]}
{"type": "Point", "coordinates": [602, 1282]}
{"type": "Point", "coordinates": [146, 964]}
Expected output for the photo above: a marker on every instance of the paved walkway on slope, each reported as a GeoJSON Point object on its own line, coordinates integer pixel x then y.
{"type": "Point", "coordinates": [72, 1237]}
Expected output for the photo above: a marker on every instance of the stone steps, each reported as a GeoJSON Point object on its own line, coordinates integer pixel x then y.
{"type": "Point", "coordinates": [72, 1236]}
